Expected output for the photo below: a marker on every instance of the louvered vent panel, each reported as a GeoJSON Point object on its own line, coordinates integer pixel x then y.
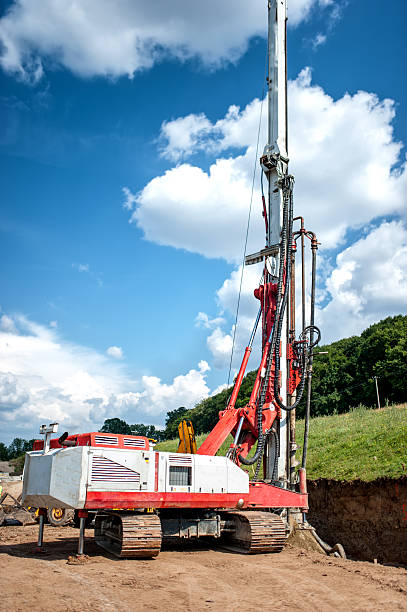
{"type": "Point", "coordinates": [106, 469]}
{"type": "Point", "coordinates": [180, 460]}
{"type": "Point", "coordinates": [134, 443]}
{"type": "Point", "coordinates": [106, 440]}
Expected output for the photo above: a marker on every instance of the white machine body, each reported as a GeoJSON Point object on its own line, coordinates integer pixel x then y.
{"type": "Point", "coordinates": [62, 477]}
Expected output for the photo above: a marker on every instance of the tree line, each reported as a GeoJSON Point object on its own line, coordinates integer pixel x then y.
{"type": "Point", "coordinates": [119, 426]}
{"type": "Point", "coordinates": [342, 379]}
{"type": "Point", "coordinates": [18, 447]}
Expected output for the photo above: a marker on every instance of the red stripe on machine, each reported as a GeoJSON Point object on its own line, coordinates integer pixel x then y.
{"type": "Point", "coordinates": [260, 496]}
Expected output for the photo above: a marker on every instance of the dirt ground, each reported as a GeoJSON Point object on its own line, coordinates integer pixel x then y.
{"type": "Point", "coordinates": [192, 579]}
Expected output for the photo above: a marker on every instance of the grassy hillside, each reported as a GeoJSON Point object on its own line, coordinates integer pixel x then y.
{"type": "Point", "coordinates": [363, 444]}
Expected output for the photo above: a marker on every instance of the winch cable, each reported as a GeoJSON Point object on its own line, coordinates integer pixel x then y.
{"type": "Point", "coordinates": [248, 222]}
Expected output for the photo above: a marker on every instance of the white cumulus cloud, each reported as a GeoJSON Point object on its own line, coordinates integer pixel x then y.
{"type": "Point", "coordinates": [319, 40]}
{"type": "Point", "coordinates": [120, 37]}
{"type": "Point", "coordinates": [220, 340]}
{"type": "Point", "coordinates": [202, 320]}
{"type": "Point", "coordinates": [129, 199]}
{"type": "Point", "coordinates": [7, 323]}
{"type": "Point", "coordinates": [45, 378]}
{"type": "Point", "coordinates": [11, 396]}
{"type": "Point", "coordinates": [115, 351]}
{"type": "Point", "coordinates": [184, 136]}
{"type": "Point", "coordinates": [220, 345]}
{"type": "Point", "coordinates": [185, 390]}
{"type": "Point", "coordinates": [344, 157]}
{"type": "Point", "coordinates": [368, 283]}
{"type": "Point", "coordinates": [202, 212]}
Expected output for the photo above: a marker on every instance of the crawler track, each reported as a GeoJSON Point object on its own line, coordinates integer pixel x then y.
{"type": "Point", "coordinates": [254, 532]}
{"type": "Point", "coordinates": [129, 535]}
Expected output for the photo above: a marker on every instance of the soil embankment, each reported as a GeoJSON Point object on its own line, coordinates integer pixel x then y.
{"type": "Point", "coordinates": [368, 518]}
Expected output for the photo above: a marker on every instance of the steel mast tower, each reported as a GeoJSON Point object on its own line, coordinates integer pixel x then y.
{"type": "Point", "coordinates": [274, 163]}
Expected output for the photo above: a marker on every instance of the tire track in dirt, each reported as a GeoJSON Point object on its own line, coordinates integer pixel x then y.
{"type": "Point", "coordinates": [93, 591]}
{"type": "Point", "coordinates": [189, 580]}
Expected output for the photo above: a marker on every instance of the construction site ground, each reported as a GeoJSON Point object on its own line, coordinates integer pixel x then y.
{"type": "Point", "coordinates": [196, 578]}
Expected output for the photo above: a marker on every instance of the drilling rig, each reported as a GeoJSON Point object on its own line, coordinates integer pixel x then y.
{"type": "Point", "coordinates": [142, 496]}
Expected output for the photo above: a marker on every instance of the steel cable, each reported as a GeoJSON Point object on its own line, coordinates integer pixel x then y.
{"type": "Point", "coordinates": [247, 229]}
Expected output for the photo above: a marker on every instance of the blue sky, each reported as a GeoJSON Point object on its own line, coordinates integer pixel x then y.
{"type": "Point", "coordinates": [100, 302]}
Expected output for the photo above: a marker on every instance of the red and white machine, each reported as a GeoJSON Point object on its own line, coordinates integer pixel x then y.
{"type": "Point", "coordinates": [142, 496]}
{"type": "Point", "coordinates": [191, 494]}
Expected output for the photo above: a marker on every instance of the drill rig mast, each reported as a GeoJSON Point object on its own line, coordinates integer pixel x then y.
{"type": "Point", "coordinates": [282, 373]}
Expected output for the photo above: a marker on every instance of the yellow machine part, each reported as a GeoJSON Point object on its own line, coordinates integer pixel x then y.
{"type": "Point", "coordinates": [187, 442]}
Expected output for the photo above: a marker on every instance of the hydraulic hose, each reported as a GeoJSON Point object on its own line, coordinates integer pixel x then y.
{"type": "Point", "coordinates": [276, 455]}
{"type": "Point", "coordinates": [284, 273]}
{"type": "Point", "coordinates": [314, 247]}
{"type": "Point", "coordinates": [280, 312]}
{"type": "Point", "coordinates": [273, 336]}
{"type": "Point", "coordinates": [260, 440]}
{"type": "Point", "coordinates": [337, 550]}
{"type": "Point", "coordinates": [311, 328]}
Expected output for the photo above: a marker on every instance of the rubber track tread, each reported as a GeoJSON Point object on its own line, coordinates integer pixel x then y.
{"type": "Point", "coordinates": [256, 532]}
{"type": "Point", "coordinates": [133, 535]}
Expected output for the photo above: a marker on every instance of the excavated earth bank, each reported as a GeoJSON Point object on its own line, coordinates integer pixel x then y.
{"type": "Point", "coordinates": [368, 518]}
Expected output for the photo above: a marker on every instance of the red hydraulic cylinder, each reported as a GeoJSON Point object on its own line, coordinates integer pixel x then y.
{"type": "Point", "coordinates": [256, 385]}
{"type": "Point", "coordinates": [219, 433]}
{"type": "Point", "coordinates": [239, 378]}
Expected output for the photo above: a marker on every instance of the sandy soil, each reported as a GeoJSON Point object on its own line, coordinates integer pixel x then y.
{"type": "Point", "coordinates": [14, 487]}
{"type": "Point", "coordinates": [192, 579]}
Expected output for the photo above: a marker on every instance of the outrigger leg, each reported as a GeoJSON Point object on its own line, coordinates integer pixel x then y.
{"type": "Point", "coordinates": [41, 520]}
{"type": "Point", "coordinates": [83, 515]}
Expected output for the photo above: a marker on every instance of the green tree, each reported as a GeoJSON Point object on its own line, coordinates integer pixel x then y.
{"type": "Point", "coordinates": [3, 452]}
{"type": "Point", "coordinates": [149, 431]}
{"type": "Point", "coordinates": [174, 417]}
{"type": "Point", "coordinates": [384, 354]}
{"type": "Point", "coordinates": [18, 447]}
{"type": "Point", "coordinates": [344, 378]}
{"type": "Point", "coordinates": [116, 425]}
